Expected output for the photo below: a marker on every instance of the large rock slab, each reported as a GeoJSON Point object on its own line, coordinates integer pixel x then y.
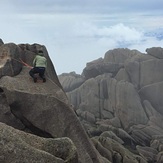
{"type": "Point", "coordinates": [70, 81]}
{"type": "Point", "coordinates": [148, 152]}
{"type": "Point", "coordinates": [43, 108]}
{"type": "Point", "coordinates": [100, 68]}
{"type": "Point", "coordinates": [18, 146]}
{"type": "Point", "coordinates": [106, 96]}
{"type": "Point", "coordinates": [119, 55]}
{"type": "Point", "coordinates": [140, 71]}
{"type": "Point", "coordinates": [6, 115]}
{"type": "Point", "coordinates": [48, 116]}
{"type": "Point", "coordinates": [155, 52]}
{"type": "Point", "coordinates": [96, 99]}
{"type": "Point", "coordinates": [115, 151]}
{"type": "Point", "coordinates": [150, 72]}
{"type": "Point", "coordinates": [122, 75]}
{"type": "Point", "coordinates": [154, 94]}
{"type": "Point", "coordinates": [128, 105]}
{"type": "Point", "coordinates": [9, 59]}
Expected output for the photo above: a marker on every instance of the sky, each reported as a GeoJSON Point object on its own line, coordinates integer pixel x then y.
{"type": "Point", "coordinates": [76, 32]}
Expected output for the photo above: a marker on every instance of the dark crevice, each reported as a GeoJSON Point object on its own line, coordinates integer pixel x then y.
{"type": "Point", "coordinates": [16, 111]}
{"type": "Point", "coordinates": [1, 90]}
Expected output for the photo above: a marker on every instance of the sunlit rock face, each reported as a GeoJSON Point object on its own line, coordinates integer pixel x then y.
{"type": "Point", "coordinates": [122, 93]}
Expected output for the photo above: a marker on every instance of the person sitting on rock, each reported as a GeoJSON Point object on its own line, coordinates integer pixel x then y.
{"type": "Point", "coordinates": [39, 66]}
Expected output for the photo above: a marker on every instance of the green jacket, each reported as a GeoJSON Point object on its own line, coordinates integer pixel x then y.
{"type": "Point", "coordinates": [40, 61]}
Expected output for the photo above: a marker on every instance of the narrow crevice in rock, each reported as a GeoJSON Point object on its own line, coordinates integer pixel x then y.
{"type": "Point", "coordinates": [1, 90]}
{"type": "Point", "coordinates": [15, 110]}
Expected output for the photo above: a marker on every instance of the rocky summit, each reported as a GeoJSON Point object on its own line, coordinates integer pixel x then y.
{"type": "Point", "coordinates": [119, 101]}
{"type": "Point", "coordinates": [111, 113]}
{"type": "Point", "coordinates": [37, 122]}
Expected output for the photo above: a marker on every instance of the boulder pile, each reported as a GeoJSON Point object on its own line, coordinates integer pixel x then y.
{"type": "Point", "coordinates": [119, 100]}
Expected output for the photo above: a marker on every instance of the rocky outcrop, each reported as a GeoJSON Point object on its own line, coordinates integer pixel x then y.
{"type": "Point", "coordinates": [121, 98]}
{"type": "Point", "coordinates": [118, 100]}
{"type": "Point", "coordinates": [156, 52]}
{"type": "Point", "coordinates": [8, 64]}
{"type": "Point", "coordinates": [71, 81]}
{"type": "Point", "coordinates": [18, 146]}
{"type": "Point", "coordinates": [40, 109]}
{"type": "Point", "coordinates": [115, 152]}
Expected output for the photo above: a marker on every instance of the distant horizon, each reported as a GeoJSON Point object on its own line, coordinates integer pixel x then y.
{"type": "Point", "coordinates": [77, 32]}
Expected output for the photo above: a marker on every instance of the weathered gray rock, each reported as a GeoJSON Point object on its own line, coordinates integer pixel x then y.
{"type": "Point", "coordinates": [155, 118]}
{"type": "Point", "coordinates": [36, 111]}
{"type": "Point", "coordinates": [113, 136]}
{"type": "Point", "coordinates": [118, 152]}
{"type": "Point", "coordinates": [154, 94]}
{"type": "Point", "coordinates": [155, 52]}
{"type": "Point", "coordinates": [133, 67]}
{"type": "Point", "coordinates": [102, 150]}
{"type": "Point", "coordinates": [119, 55]}
{"type": "Point", "coordinates": [89, 117]}
{"type": "Point", "coordinates": [97, 97]}
{"type": "Point", "coordinates": [70, 81]}
{"type": "Point", "coordinates": [127, 98]}
{"type": "Point", "coordinates": [43, 108]}
{"type": "Point", "coordinates": [150, 72]}
{"type": "Point", "coordinates": [160, 157]}
{"type": "Point", "coordinates": [147, 152]}
{"type": "Point", "coordinates": [157, 143]}
{"type": "Point", "coordinates": [100, 68]}
{"type": "Point", "coordinates": [122, 75]}
{"type": "Point", "coordinates": [9, 54]}
{"type": "Point", "coordinates": [120, 95]}
{"type": "Point", "coordinates": [18, 146]}
{"type": "Point", "coordinates": [120, 133]}
{"type": "Point", "coordinates": [113, 61]}
{"type": "Point", "coordinates": [143, 134]}
{"type": "Point", "coordinates": [6, 115]}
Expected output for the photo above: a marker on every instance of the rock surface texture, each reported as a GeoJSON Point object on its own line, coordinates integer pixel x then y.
{"type": "Point", "coordinates": [119, 100]}
{"type": "Point", "coordinates": [37, 123]}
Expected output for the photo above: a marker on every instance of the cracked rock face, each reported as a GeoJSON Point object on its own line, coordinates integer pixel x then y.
{"type": "Point", "coordinates": [126, 100]}
{"type": "Point", "coordinates": [37, 110]}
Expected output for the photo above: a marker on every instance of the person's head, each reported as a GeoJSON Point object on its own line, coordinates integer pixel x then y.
{"type": "Point", "coordinates": [40, 52]}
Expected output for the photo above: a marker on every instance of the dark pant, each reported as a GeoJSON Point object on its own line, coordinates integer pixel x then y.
{"type": "Point", "coordinates": [37, 70]}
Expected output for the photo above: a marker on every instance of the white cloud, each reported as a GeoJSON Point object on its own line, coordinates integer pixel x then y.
{"type": "Point", "coordinates": [76, 32]}
{"type": "Point", "coordinates": [118, 32]}
{"type": "Point", "coordinates": [87, 42]}
{"type": "Point", "coordinates": [147, 42]}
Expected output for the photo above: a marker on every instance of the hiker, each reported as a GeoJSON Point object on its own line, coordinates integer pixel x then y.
{"type": "Point", "coordinates": [39, 66]}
